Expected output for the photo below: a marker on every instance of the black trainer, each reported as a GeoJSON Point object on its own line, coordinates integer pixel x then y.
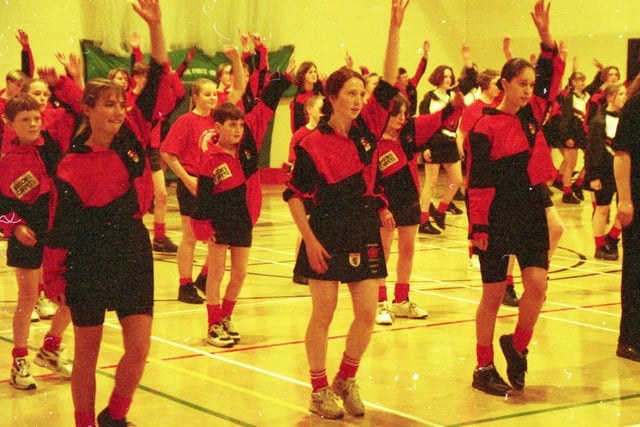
{"type": "Point", "coordinates": [453, 209]}
{"type": "Point", "coordinates": [105, 420]}
{"type": "Point", "coordinates": [188, 294]}
{"type": "Point", "coordinates": [570, 199]}
{"type": "Point", "coordinates": [577, 190]}
{"type": "Point", "coordinates": [488, 380]}
{"type": "Point", "coordinates": [510, 297]}
{"type": "Point", "coordinates": [607, 253]}
{"type": "Point", "coordinates": [459, 196]}
{"type": "Point", "coordinates": [201, 283]}
{"type": "Point", "coordinates": [558, 185]}
{"type": "Point", "coordinates": [164, 245]}
{"type": "Point", "coordinates": [628, 352]}
{"type": "Point", "coordinates": [428, 228]}
{"type": "Point", "coordinates": [516, 362]}
{"type": "Point", "coordinates": [438, 217]}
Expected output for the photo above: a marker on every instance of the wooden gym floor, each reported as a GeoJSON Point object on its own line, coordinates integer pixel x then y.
{"type": "Point", "coordinates": [414, 373]}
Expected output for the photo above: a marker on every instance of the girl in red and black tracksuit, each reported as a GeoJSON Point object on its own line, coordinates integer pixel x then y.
{"type": "Point", "coordinates": [26, 190]}
{"type": "Point", "coordinates": [402, 140]}
{"type": "Point", "coordinates": [307, 85]}
{"type": "Point", "coordinates": [408, 86]}
{"type": "Point", "coordinates": [98, 253]}
{"type": "Point", "coordinates": [599, 177]}
{"type": "Point", "coordinates": [229, 201]}
{"type": "Point", "coordinates": [509, 164]}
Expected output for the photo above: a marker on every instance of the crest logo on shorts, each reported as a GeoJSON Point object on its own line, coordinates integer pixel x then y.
{"type": "Point", "coordinates": [354, 259]}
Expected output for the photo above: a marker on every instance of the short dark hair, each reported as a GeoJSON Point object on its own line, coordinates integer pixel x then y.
{"type": "Point", "coordinates": [227, 111]}
{"type": "Point", "coordinates": [20, 102]}
{"type": "Point", "coordinates": [437, 75]}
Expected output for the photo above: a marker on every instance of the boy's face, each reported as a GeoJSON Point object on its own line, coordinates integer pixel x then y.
{"type": "Point", "coordinates": [230, 132]}
{"type": "Point", "coordinates": [27, 124]}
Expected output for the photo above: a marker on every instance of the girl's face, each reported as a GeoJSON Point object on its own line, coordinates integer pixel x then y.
{"type": "Point", "coordinates": [519, 90]}
{"type": "Point", "coordinates": [225, 76]}
{"type": "Point", "coordinates": [447, 79]}
{"type": "Point", "coordinates": [311, 76]}
{"type": "Point", "coordinates": [371, 84]}
{"type": "Point", "coordinates": [396, 122]}
{"type": "Point", "coordinates": [13, 88]}
{"type": "Point", "coordinates": [40, 91]}
{"type": "Point", "coordinates": [493, 90]}
{"type": "Point", "coordinates": [107, 116]}
{"type": "Point", "coordinates": [613, 75]}
{"type": "Point", "coordinates": [315, 111]}
{"type": "Point", "coordinates": [207, 99]}
{"type": "Point", "coordinates": [578, 84]}
{"type": "Point", "coordinates": [121, 79]}
{"type": "Point", "coordinates": [618, 100]}
{"type": "Point", "coordinates": [349, 101]}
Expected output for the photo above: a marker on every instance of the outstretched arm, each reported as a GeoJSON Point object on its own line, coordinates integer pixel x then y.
{"type": "Point", "coordinates": [540, 16]}
{"type": "Point", "coordinates": [398, 8]}
{"type": "Point", "coordinates": [149, 11]}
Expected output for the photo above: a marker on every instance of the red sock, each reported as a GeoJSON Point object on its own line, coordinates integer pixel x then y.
{"type": "Point", "coordinates": [509, 280]}
{"type": "Point", "coordinates": [579, 182]}
{"type": "Point", "coordinates": [470, 251]}
{"type": "Point", "coordinates": [566, 190]}
{"type": "Point", "coordinates": [51, 343]}
{"type": "Point", "coordinates": [401, 292]}
{"type": "Point", "coordinates": [348, 367]}
{"type": "Point", "coordinates": [424, 217]}
{"type": "Point", "coordinates": [382, 293]}
{"type": "Point", "coordinates": [204, 270]}
{"type": "Point", "coordinates": [614, 233]}
{"type": "Point", "coordinates": [85, 419]}
{"type": "Point", "coordinates": [600, 241]}
{"type": "Point", "coordinates": [484, 354]}
{"type": "Point", "coordinates": [442, 207]}
{"type": "Point", "coordinates": [319, 379]}
{"type": "Point", "coordinates": [185, 280]}
{"type": "Point", "coordinates": [558, 177]}
{"type": "Point", "coordinates": [213, 314]}
{"type": "Point", "coordinates": [521, 338]}
{"type": "Point", "coordinates": [119, 406]}
{"type": "Point", "coordinates": [159, 230]}
{"type": "Point", "coordinates": [19, 352]}
{"type": "Point", "coordinates": [227, 307]}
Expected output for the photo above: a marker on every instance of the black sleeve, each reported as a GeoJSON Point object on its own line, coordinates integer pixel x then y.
{"type": "Point", "coordinates": [204, 201]}
{"type": "Point", "coordinates": [146, 101]}
{"type": "Point", "coordinates": [272, 93]}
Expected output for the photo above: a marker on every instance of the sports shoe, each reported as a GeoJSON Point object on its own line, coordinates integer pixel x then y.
{"type": "Point", "coordinates": [300, 280]}
{"type": "Point", "coordinates": [54, 361]}
{"type": "Point", "coordinates": [459, 196]}
{"type": "Point", "coordinates": [577, 190]}
{"type": "Point", "coordinates": [35, 317]}
{"type": "Point", "coordinates": [408, 309]}
{"type": "Point", "coordinates": [324, 402]}
{"type": "Point", "coordinates": [188, 294]}
{"type": "Point", "coordinates": [164, 245]}
{"type": "Point", "coordinates": [428, 228]}
{"type": "Point", "coordinates": [105, 420]}
{"type": "Point", "coordinates": [628, 352]}
{"type": "Point", "coordinates": [474, 262]}
{"type": "Point", "coordinates": [230, 329]}
{"type": "Point", "coordinates": [570, 199]}
{"type": "Point", "coordinates": [21, 378]}
{"type": "Point", "coordinates": [439, 217]}
{"type": "Point", "coordinates": [612, 244]}
{"type": "Point", "coordinates": [453, 209]}
{"type": "Point", "coordinates": [349, 392]}
{"type": "Point", "coordinates": [558, 185]}
{"type": "Point", "coordinates": [218, 337]}
{"type": "Point", "coordinates": [201, 283]}
{"type": "Point", "coordinates": [45, 308]}
{"type": "Point", "coordinates": [607, 253]}
{"type": "Point", "coordinates": [383, 315]}
{"type": "Point", "coordinates": [516, 361]}
{"type": "Point", "coordinates": [510, 297]}
{"type": "Point", "coordinates": [488, 380]}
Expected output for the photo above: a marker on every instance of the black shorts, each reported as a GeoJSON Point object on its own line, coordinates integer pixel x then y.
{"type": "Point", "coordinates": [444, 149]}
{"type": "Point", "coordinates": [155, 163]}
{"type": "Point", "coordinates": [21, 256]}
{"type": "Point", "coordinates": [352, 237]}
{"type": "Point", "coordinates": [106, 278]}
{"type": "Point", "coordinates": [186, 200]}
{"type": "Point", "coordinates": [604, 197]}
{"type": "Point", "coordinates": [493, 268]}
{"type": "Point", "coordinates": [406, 214]}
{"type": "Point", "coordinates": [236, 238]}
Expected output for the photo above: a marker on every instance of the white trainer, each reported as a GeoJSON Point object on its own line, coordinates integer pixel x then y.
{"type": "Point", "coordinates": [408, 309]}
{"type": "Point", "coordinates": [383, 314]}
{"type": "Point", "coordinates": [45, 308]}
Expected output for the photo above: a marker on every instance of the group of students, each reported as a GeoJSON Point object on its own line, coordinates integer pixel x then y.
{"type": "Point", "coordinates": [353, 181]}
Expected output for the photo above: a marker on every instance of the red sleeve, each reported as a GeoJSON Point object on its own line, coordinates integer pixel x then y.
{"type": "Point", "coordinates": [422, 66]}
{"type": "Point", "coordinates": [68, 92]}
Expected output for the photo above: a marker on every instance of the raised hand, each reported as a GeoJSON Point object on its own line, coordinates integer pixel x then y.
{"type": "Point", "coordinates": [134, 40]}
{"type": "Point", "coordinates": [506, 47]}
{"type": "Point", "coordinates": [426, 47]}
{"type": "Point", "coordinates": [397, 11]}
{"type": "Point", "coordinates": [23, 38]}
{"type": "Point", "coordinates": [49, 75]}
{"type": "Point", "coordinates": [148, 10]}
{"type": "Point", "coordinates": [244, 40]}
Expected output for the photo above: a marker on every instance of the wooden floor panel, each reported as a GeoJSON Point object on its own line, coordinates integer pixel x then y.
{"type": "Point", "coordinates": [414, 373]}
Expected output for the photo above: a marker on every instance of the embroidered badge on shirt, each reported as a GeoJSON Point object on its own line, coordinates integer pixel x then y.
{"type": "Point", "coordinates": [24, 184]}
{"type": "Point", "coordinates": [387, 159]}
{"type": "Point", "coordinates": [221, 173]}
{"type": "Point", "coordinates": [354, 259]}
{"type": "Point", "coordinates": [133, 156]}
{"type": "Point", "coordinates": [365, 144]}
